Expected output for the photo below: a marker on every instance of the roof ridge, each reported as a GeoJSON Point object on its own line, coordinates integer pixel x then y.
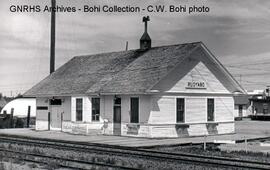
{"type": "Point", "coordinates": [132, 50]}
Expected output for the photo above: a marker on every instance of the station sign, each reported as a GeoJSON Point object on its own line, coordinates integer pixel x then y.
{"type": "Point", "coordinates": [196, 85]}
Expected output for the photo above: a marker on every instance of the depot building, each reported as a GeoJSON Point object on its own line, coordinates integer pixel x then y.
{"type": "Point", "coordinates": [167, 91]}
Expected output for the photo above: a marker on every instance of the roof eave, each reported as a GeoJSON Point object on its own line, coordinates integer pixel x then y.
{"type": "Point", "coordinates": [60, 95]}
{"type": "Point", "coordinates": [233, 81]}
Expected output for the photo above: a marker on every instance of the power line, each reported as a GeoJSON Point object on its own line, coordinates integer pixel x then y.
{"type": "Point", "coordinates": [250, 74]}
{"type": "Point", "coordinates": [258, 83]}
{"type": "Point", "coordinates": [249, 64]}
{"type": "Point", "coordinates": [255, 69]}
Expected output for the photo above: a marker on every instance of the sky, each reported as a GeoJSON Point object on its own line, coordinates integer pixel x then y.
{"type": "Point", "coordinates": [237, 32]}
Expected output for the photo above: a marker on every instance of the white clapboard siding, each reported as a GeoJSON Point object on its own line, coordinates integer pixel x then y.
{"type": "Point", "coordinates": [163, 110]}
{"type": "Point", "coordinates": [87, 109]}
{"type": "Point", "coordinates": [199, 73]}
{"type": "Point", "coordinates": [125, 109]}
{"type": "Point", "coordinates": [224, 109]}
{"type": "Point", "coordinates": [144, 108]}
{"type": "Point", "coordinates": [163, 131]}
{"type": "Point", "coordinates": [66, 108]}
{"type": "Point", "coordinates": [196, 110]}
{"type": "Point", "coordinates": [42, 114]}
{"type": "Point", "coordinates": [191, 71]}
{"type": "Point", "coordinates": [41, 125]}
{"type": "Point", "coordinates": [224, 128]}
{"type": "Point", "coordinates": [197, 130]}
{"type": "Point", "coordinates": [102, 108]}
{"type": "Point", "coordinates": [73, 109]}
{"type": "Point", "coordinates": [108, 108]}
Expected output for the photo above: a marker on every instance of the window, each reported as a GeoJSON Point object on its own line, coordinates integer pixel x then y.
{"type": "Point", "coordinates": [55, 102]}
{"type": "Point", "coordinates": [117, 101]}
{"type": "Point", "coordinates": [95, 109]}
{"type": "Point", "coordinates": [42, 108]}
{"type": "Point", "coordinates": [210, 109]}
{"type": "Point", "coordinates": [79, 109]}
{"type": "Point", "coordinates": [134, 110]}
{"type": "Point", "coordinates": [240, 109]}
{"type": "Point", "coordinates": [180, 110]}
{"type": "Point", "coordinates": [265, 108]}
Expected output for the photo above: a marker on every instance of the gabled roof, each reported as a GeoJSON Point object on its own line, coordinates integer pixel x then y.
{"type": "Point", "coordinates": [126, 72]}
{"type": "Point", "coordinates": [145, 36]}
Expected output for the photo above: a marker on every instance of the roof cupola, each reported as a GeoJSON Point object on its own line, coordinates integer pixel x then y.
{"type": "Point", "coordinates": [145, 41]}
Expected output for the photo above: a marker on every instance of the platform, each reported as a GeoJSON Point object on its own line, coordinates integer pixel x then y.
{"type": "Point", "coordinates": [249, 130]}
{"type": "Point", "coordinates": [260, 117]}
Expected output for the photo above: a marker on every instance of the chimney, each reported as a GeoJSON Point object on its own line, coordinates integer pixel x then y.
{"type": "Point", "coordinates": [145, 41]}
{"type": "Point", "coordinates": [52, 48]}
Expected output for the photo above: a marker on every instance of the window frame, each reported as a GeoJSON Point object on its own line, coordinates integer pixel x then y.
{"type": "Point", "coordinates": [55, 102]}
{"type": "Point", "coordinates": [79, 110]}
{"type": "Point", "coordinates": [134, 119]}
{"type": "Point", "coordinates": [184, 110]}
{"type": "Point", "coordinates": [209, 118]}
{"type": "Point", "coordinates": [95, 117]}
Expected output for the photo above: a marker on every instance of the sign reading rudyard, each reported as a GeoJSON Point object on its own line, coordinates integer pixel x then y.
{"type": "Point", "coordinates": [196, 85]}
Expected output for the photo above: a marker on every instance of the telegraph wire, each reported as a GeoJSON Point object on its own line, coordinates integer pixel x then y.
{"type": "Point", "coordinates": [248, 64]}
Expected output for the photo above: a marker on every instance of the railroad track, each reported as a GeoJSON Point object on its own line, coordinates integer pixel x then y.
{"type": "Point", "coordinates": [136, 152]}
{"type": "Point", "coordinates": [59, 161]}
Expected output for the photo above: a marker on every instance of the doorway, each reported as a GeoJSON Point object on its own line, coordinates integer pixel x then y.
{"type": "Point", "coordinates": [117, 116]}
{"type": "Point", "coordinates": [56, 111]}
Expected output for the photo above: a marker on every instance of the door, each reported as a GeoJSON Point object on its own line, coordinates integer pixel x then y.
{"type": "Point", "coordinates": [117, 116]}
{"type": "Point", "coordinates": [240, 110]}
{"type": "Point", "coordinates": [56, 117]}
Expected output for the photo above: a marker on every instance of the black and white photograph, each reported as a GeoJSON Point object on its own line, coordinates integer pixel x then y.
{"type": "Point", "coordinates": [134, 84]}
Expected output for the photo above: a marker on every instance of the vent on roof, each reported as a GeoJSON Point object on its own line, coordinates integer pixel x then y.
{"type": "Point", "coordinates": [145, 41]}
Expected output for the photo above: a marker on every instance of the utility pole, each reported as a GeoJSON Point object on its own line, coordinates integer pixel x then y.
{"type": "Point", "coordinates": [52, 49]}
{"type": "Point", "coordinates": [126, 45]}
{"type": "Point", "coordinates": [268, 91]}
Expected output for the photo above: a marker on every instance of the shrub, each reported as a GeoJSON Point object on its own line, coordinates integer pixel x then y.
{"type": "Point", "coordinates": [32, 166]}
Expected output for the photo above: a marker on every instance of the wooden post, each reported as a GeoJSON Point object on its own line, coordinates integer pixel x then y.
{"type": "Point", "coordinates": [11, 117]}
{"type": "Point", "coordinates": [126, 45]}
{"type": "Point", "coordinates": [62, 121]}
{"type": "Point", "coordinates": [52, 49]}
{"type": "Point", "coordinates": [49, 120]}
{"type": "Point", "coordinates": [246, 144]}
{"type": "Point", "coordinates": [204, 143]}
{"type": "Point", "coordinates": [28, 116]}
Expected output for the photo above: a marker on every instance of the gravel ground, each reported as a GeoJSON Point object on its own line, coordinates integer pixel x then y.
{"type": "Point", "coordinates": [106, 158]}
{"type": "Point", "coordinates": [16, 164]}
{"type": "Point", "coordinates": [214, 150]}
